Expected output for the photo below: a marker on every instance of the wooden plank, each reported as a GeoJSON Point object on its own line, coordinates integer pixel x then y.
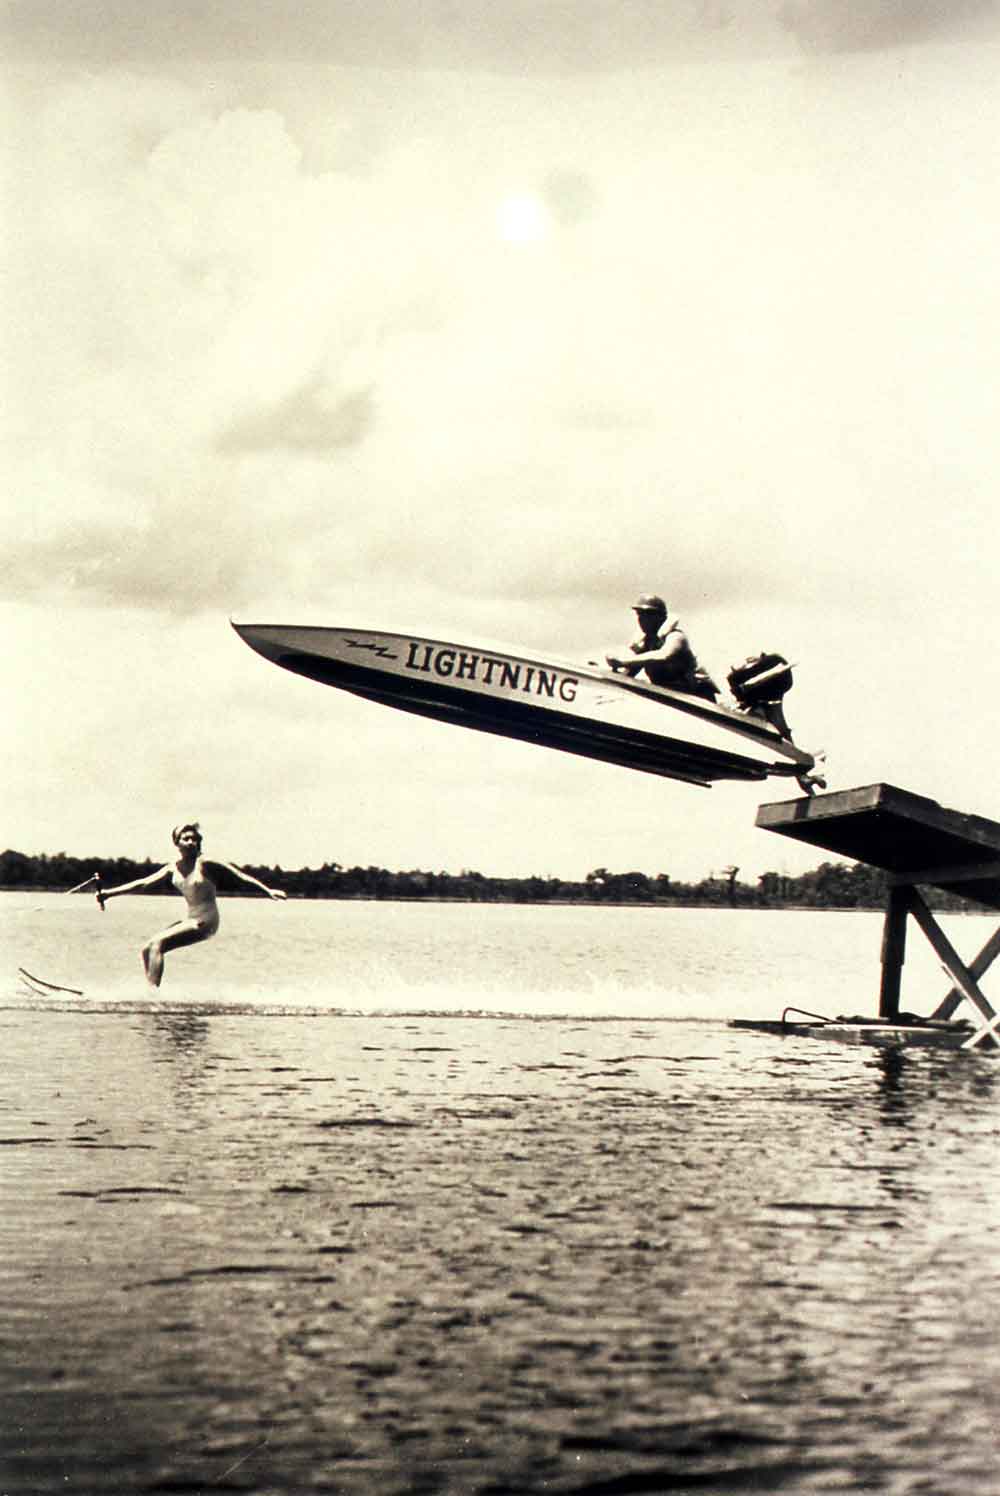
{"type": "Point", "coordinates": [948, 956]}
{"type": "Point", "coordinates": [988, 1031]}
{"type": "Point", "coordinates": [890, 1035]}
{"type": "Point", "coordinates": [977, 968]}
{"type": "Point", "coordinates": [906, 835]}
{"type": "Point", "coordinates": [958, 873]}
{"type": "Point", "coordinates": [893, 950]}
{"type": "Point", "coordinates": [888, 799]}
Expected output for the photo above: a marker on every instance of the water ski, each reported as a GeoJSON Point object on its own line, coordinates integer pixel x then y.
{"type": "Point", "coordinates": [40, 988]}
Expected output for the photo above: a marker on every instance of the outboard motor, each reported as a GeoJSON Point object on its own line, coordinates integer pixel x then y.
{"type": "Point", "coordinates": [759, 686]}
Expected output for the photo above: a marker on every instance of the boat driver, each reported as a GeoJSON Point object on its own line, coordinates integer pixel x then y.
{"type": "Point", "coordinates": [663, 652]}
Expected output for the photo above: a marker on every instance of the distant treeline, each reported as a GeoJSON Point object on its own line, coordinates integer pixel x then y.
{"type": "Point", "coordinates": [830, 886]}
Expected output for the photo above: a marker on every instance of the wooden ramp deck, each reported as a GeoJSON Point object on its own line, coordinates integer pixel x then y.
{"type": "Point", "coordinates": [919, 843]}
{"type": "Point", "coordinates": [907, 835]}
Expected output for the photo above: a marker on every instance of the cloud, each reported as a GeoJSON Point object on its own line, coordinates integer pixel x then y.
{"type": "Point", "coordinates": [571, 196]}
{"type": "Point", "coordinates": [312, 418]}
{"type": "Point", "coordinates": [877, 25]}
{"type": "Point", "coordinates": [185, 309]}
{"type": "Point", "coordinates": [235, 369]}
{"type": "Point", "coordinates": [519, 36]}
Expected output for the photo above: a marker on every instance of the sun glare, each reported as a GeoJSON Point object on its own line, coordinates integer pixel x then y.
{"type": "Point", "coordinates": [522, 220]}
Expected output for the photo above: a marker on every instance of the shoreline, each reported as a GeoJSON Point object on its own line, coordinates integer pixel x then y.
{"type": "Point", "coordinates": [722, 906]}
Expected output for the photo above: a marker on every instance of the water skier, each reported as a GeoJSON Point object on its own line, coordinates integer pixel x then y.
{"type": "Point", "coordinates": [190, 877]}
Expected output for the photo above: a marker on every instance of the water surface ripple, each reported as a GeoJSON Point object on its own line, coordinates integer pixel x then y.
{"type": "Point", "coordinates": [445, 1254]}
{"type": "Point", "coordinates": [305, 1224]}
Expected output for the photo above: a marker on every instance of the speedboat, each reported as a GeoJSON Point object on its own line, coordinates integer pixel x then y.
{"type": "Point", "coordinates": [575, 707]}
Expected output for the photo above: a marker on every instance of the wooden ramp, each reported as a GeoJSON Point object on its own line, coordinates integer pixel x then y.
{"type": "Point", "coordinates": [905, 834]}
{"type": "Point", "coordinates": [919, 843]}
{"type": "Point", "coordinates": [908, 1035]}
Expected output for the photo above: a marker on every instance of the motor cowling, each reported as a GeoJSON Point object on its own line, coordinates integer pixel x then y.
{"type": "Point", "coordinates": [761, 679]}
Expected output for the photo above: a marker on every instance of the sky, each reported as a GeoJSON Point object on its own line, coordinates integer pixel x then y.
{"type": "Point", "coordinates": [484, 319]}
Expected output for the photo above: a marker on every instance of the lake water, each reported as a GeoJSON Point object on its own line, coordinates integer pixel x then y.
{"type": "Point", "coordinates": [387, 1198]}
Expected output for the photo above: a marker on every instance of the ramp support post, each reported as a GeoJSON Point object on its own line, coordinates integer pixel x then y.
{"type": "Point", "coordinates": [906, 899]}
{"type": "Point", "coordinates": [977, 967]}
{"type": "Point", "coordinates": [919, 844]}
{"type": "Point", "coordinates": [899, 905]}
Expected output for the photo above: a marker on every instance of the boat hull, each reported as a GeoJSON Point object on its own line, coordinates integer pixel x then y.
{"type": "Point", "coordinates": [574, 708]}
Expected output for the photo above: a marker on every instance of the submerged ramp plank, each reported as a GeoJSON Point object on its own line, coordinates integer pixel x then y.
{"type": "Point", "coordinates": [914, 838]}
{"type": "Point", "coordinates": [880, 1035]}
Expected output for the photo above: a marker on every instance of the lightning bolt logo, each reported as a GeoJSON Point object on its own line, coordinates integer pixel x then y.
{"type": "Point", "coordinates": [379, 649]}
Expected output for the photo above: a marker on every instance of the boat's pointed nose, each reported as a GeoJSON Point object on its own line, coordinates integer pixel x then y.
{"type": "Point", "coordinates": [260, 637]}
